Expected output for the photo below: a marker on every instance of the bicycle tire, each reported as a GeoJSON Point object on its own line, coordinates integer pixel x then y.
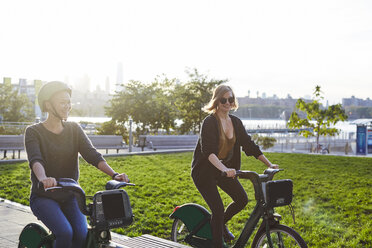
{"type": "Point", "coordinates": [49, 244]}
{"type": "Point", "coordinates": [35, 236]}
{"type": "Point", "coordinates": [179, 231]}
{"type": "Point", "coordinates": [281, 236]}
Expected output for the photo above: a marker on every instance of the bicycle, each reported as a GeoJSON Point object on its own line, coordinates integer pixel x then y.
{"type": "Point", "coordinates": [109, 209]}
{"type": "Point", "coordinates": [323, 150]}
{"type": "Point", "coordinates": [191, 223]}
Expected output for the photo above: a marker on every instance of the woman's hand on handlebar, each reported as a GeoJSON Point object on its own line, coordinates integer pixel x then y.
{"type": "Point", "coordinates": [122, 178]}
{"type": "Point", "coordinates": [269, 165]}
{"type": "Point", "coordinates": [49, 182]}
{"type": "Point", "coordinates": [274, 166]}
{"type": "Point", "coordinates": [230, 172]}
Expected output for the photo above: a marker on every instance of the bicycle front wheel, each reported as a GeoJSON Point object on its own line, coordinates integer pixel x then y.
{"type": "Point", "coordinates": [281, 237]}
{"type": "Point", "coordinates": [179, 231]}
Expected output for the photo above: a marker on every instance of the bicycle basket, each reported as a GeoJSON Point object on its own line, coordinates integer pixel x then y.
{"type": "Point", "coordinates": [111, 209]}
{"type": "Point", "coordinates": [279, 193]}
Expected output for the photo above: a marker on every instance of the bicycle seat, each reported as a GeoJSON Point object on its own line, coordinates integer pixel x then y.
{"type": "Point", "coordinates": [71, 185]}
{"type": "Point", "coordinates": [66, 182]}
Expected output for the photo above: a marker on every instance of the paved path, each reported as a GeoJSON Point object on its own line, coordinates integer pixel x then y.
{"type": "Point", "coordinates": [14, 216]}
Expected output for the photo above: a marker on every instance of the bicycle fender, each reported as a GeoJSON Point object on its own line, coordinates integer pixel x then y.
{"type": "Point", "coordinates": [191, 215]}
{"type": "Point", "coordinates": [189, 209]}
{"type": "Point", "coordinates": [34, 235]}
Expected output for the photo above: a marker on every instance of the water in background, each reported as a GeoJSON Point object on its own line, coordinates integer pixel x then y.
{"type": "Point", "coordinates": [344, 126]}
{"type": "Point", "coordinates": [88, 119]}
{"type": "Point", "coordinates": [347, 130]}
{"type": "Point", "coordinates": [343, 143]}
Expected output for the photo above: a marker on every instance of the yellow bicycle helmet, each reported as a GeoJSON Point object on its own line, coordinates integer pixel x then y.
{"type": "Point", "coordinates": [48, 90]}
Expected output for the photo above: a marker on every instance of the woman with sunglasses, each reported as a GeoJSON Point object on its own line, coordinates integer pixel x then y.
{"type": "Point", "coordinates": [218, 150]}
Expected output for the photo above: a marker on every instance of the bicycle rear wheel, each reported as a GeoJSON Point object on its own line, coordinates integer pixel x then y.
{"type": "Point", "coordinates": [281, 236]}
{"type": "Point", "coordinates": [179, 231]}
{"type": "Point", "coordinates": [180, 234]}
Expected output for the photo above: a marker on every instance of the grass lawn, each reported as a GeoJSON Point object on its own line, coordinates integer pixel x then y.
{"type": "Point", "coordinates": [332, 195]}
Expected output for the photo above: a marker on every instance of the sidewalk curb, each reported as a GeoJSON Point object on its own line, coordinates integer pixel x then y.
{"type": "Point", "coordinates": [13, 161]}
{"type": "Point", "coordinates": [16, 205]}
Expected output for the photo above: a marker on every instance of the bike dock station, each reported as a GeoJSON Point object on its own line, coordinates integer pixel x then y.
{"type": "Point", "coordinates": [364, 136]}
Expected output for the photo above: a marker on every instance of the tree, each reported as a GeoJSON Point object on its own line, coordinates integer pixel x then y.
{"type": "Point", "coordinates": [150, 106]}
{"type": "Point", "coordinates": [164, 111]}
{"type": "Point", "coordinates": [157, 106]}
{"type": "Point", "coordinates": [15, 107]}
{"type": "Point", "coordinates": [317, 120]}
{"type": "Point", "coordinates": [113, 128]}
{"type": "Point", "coordinates": [131, 102]}
{"type": "Point", "coordinates": [191, 97]}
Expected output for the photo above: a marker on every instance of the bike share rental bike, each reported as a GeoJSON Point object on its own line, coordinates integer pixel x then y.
{"type": "Point", "coordinates": [191, 223]}
{"type": "Point", "coordinates": [109, 209]}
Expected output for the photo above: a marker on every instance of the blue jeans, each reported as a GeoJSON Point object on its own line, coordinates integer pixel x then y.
{"type": "Point", "coordinates": [65, 220]}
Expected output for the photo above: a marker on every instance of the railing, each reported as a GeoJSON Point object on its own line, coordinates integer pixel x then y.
{"type": "Point", "coordinates": [15, 124]}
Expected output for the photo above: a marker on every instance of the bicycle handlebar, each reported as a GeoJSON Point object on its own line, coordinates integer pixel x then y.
{"type": "Point", "coordinates": [248, 174]}
{"type": "Point", "coordinates": [256, 179]}
{"type": "Point", "coordinates": [113, 184]}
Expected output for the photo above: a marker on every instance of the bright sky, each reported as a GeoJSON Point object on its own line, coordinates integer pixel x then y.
{"type": "Point", "coordinates": [277, 47]}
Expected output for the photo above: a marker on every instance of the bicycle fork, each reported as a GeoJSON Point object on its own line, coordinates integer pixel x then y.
{"type": "Point", "coordinates": [270, 220]}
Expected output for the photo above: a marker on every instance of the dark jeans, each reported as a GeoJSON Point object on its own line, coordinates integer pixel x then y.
{"type": "Point", "coordinates": [65, 221]}
{"type": "Point", "coordinates": [209, 191]}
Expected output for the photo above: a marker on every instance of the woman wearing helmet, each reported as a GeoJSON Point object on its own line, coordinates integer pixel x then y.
{"type": "Point", "coordinates": [52, 149]}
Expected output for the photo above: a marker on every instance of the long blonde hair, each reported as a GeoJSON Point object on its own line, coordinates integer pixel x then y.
{"type": "Point", "coordinates": [218, 93]}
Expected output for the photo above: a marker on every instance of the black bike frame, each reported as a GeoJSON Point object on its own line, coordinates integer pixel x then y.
{"type": "Point", "coordinates": [249, 226]}
{"type": "Point", "coordinates": [259, 209]}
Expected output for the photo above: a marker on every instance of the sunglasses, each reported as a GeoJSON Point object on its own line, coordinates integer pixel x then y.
{"type": "Point", "coordinates": [224, 100]}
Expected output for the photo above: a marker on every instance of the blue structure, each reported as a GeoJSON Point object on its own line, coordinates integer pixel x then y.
{"type": "Point", "coordinates": [364, 136]}
{"type": "Point", "coordinates": [361, 144]}
{"type": "Point", "coordinates": [369, 141]}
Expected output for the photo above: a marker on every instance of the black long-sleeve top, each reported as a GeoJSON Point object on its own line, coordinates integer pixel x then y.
{"type": "Point", "coordinates": [207, 144]}
{"type": "Point", "coordinates": [58, 153]}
